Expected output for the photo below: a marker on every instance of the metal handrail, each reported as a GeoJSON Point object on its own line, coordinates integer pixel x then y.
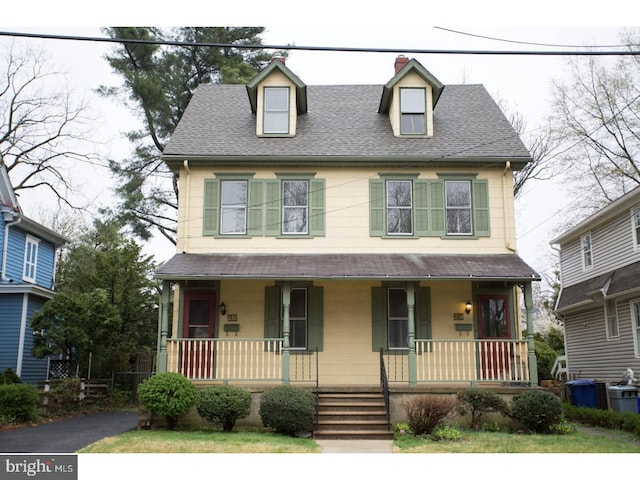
{"type": "Point", "coordinates": [384, 385]}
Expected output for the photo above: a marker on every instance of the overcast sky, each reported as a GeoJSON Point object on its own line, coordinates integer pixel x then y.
{"type": "Point", "coordinates": [524, 83]}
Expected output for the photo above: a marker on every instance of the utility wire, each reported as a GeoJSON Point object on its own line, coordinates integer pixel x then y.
{"type": "Point", "coordinates": [322, 49]}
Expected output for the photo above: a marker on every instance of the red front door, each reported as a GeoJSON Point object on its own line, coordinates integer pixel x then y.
{"type": "Point", "coordinates": [199, 323]}
{"type": "Point", "coordinates": [494, 324]}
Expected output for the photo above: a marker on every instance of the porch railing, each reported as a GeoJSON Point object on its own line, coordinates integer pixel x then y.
{"type": "Point", "coordinates": [250, 359]}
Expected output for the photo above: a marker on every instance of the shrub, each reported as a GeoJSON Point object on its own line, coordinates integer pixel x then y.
{"type": "Point", "coordinates": [401, 429]}
{"type": "Point", "coordinates": [18, 402]}
{"type": "Point", "coordinates": [448, 433]}
{"type": "Point", "coordinates": [563, 427]}
{"type": "Point", "coordinates": [223, 404]}
{"type": "Point", "coordinates": [425, 412]}
{"type": "Point", "coordinates": [66, 390]}
{"type": "Point", "coordinates": [9, 377]}
{"type": "Point", "coordinates": [168, 394]}
{"type": "Point", "coordinates": [288, 409]}
{"type": "Point", "coordinates": [537, 410]}
{"type": "Point", "coordinates": [478, 402]}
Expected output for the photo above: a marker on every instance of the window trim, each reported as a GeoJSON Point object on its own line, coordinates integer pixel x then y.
{"type": "Point", "coordinates": [244, 207]}
{"type": "Point", "coordinates": [611, 320]}
{"type": "Point", "coordinates": [583, 252]}
{"type": "Point", "coordinates": [410, 208]}
{"type": "Point", "coordinates": [31, 246]}
{"type": "Point", "coordinates": [635, 226]}
{"type": "Point", "coordinates": [447, 208]}
{"type": "Point", "coordinates": [297, 207]}
{"type": "Point", "coordinates": [634, 309]}
{"type": "Point", "coordinates": [266, 113]}
{"type": "Point", "coordinates": [412, 114]}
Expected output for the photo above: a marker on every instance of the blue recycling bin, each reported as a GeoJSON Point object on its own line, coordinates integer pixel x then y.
{"type": "Point", "coordinates": [583, 393]}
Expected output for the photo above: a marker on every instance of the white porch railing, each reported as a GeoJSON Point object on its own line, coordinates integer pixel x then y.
{"type": "Point", "coordinates": [472, 360]}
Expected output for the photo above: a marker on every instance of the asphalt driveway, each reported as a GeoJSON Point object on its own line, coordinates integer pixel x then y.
{"type": "Point", "coordinates": [68, 435]}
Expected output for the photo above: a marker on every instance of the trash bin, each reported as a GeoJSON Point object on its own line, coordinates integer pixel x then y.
{"type": "Point", "coordinates": [624, 398]}
{"type": "Point", "coordinates": [583, 393]}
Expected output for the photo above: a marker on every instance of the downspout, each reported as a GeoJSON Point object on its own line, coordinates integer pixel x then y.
{"type": "Point", "coordinates": [5, 246]}
{"type": "Point", "coordinates": [187, 196]}
{"type": "Point", "coordinates": [507, 224]}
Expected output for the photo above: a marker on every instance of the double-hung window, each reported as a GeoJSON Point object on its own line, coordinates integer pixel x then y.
{"type": "Point", "coordinates": [233, 209]}
{"type": "Point", "coordinates": [587, 252]}
{"type": "Point", "coordinates": [611, 314]}
{"type": "Point", "coordinates": [295, 206]}
{"type": "Point", "coordinates": [413, 111]}
{"type": "Point", "coordinates": [399, 207]}
{"type": "Point", "coordinates": [635, 223]}
{"type": "Point", "coordinates": [30, 259]}
{"type": "Point", "coordinates": [276, 110]}
{"type": "Point", "coordinates": [458, 207]}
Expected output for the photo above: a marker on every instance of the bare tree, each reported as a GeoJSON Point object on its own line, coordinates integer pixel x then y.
{"type": "Point", "coordinates": [43, 128]}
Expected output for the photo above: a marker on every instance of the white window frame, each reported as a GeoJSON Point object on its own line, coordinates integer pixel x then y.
{"type": "Point", "coordinates": [288, 208]}
{"type": "Point", "coordinates": [266, 129]}
{"type": "Point", "coordinates": [30, 264]}
{"type": "Point", "coordinates": [399, 208]}
{"type": "Point", "coordinates": [634, 308]}
{"type": "Point", "coordinates": [452, 208]}
{"type": "Point", "coordinates": [611, 319]}
{"type": "Point", "coordinates": [635, 227]}
{"type": "Point", "coordinates": [234, 207]}
{"type": "Point", "coordinates": [411, 111]}
{"type": "Point", "coordinates": [586, 253]}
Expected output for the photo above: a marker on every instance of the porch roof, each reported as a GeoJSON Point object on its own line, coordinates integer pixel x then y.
{"type": "Point", "coordinates": [411, 266]}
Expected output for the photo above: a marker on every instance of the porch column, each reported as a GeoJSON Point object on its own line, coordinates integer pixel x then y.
{"type": "Point", "coordinates": [533, 362]}
{"type": "Point", "coordinates": [161, 362]}
{"type": "Point", "coordinates": [286, 303]}
{"type": "Point", "coordinates": [411, 320]}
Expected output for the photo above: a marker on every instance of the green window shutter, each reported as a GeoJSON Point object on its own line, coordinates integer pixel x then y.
{"type": "Point", "coordinates": [379, 318]}
{"type": "Point", "coordinates": [316, 207]}
{"type": "Point", "coordinates": [436, 208]}
{"type": "Point", "coordinates": [315, 324]}
{"type": "Point", "coordinates": [273, 208]}
{"type": "Point", "coordinates": [423, 313]}
{"type": "Point", "coordinates": [377, 223]}
{"type": "Point", "coordinates": [211, 210]}
{"type": "Point", "coordinates": [481, 208]}
{"type": "Point", "coordinates": [254, 209]}
{"type": "Point", "coordinates": [421, 207]}
{"type": "Point", "coordinates": [272, 301]}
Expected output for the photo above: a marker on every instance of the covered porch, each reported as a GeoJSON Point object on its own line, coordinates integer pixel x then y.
{"type": "Point", "coordinates": [336, 320]}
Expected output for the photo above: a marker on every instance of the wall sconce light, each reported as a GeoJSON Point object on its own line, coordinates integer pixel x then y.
{"type": "Point", "coordinates": [223, 309]}
{"type": "Point", "coordinates": [467, 307]}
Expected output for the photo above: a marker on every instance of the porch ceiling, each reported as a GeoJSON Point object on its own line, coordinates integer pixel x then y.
{"type": "Point", "coordinates": [498, 267]}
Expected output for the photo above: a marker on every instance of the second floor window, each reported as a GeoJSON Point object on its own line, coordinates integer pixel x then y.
{"type": "Point", "coordinates": [458, 205]}
{"type": "Point", "coordinates": [412, 111]}
{"type": "Point", "coordinates": [587, 253]}
{"type": "Point", "coordinates": [399, 207]}
{"type": "Point", "coordinates": [276, 110]}
{"type": "Point", "coordinates": [636, 227]}
{"type": "Point", "coordinates": [294, 206]}
{"type": "Point", "coordinates": [233, 210]}
{"type": "Point", "coordinates": [30, 259]}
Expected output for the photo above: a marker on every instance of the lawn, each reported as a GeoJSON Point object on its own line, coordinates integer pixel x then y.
{"type": "Point", "coordinates": [263, 441]}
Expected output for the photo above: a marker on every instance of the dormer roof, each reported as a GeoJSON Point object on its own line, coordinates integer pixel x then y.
{"type": "Point", "coordinates": [411, 66]}
{"type": "Point", "coordinates": [277, 64]}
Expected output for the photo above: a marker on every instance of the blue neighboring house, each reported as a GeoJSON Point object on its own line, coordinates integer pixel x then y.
{"type": "Point", "coordinates": [27, 278]}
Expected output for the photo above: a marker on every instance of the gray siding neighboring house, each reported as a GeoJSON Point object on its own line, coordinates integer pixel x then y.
{"type": "Point", "coordinates": [600, 292]}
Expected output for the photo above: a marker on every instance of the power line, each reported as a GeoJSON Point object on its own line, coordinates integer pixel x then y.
{"type": "Point", "coordinates": [322, 49]}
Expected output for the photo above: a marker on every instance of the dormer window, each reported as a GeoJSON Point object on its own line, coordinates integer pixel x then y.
{"type": "Point", "coordinates": [412, 111]}
{"type": "Point", "coordinates": [276, 110]}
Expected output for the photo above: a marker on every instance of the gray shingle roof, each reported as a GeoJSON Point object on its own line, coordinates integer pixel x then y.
{"type": "Point", "coordinates": [343, 122]}
{"type": "Point", "coordinates": [509, 267]}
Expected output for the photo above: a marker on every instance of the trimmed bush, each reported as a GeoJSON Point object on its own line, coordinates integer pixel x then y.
{"type": "Point", "coordinates": [288, 409]}
{"type": "Point", "coordinates": [223, 404]}
{"type": "Point", "coordinates": [18, 402]}
{"type": "Point", "coordinates": [426, 412]}
{"type": "Point", "coordinates": [168, 394]}
{"type": "Point", "coordinates": [479, 402]}
{"type": "Point", "coordinates": [537, 410]}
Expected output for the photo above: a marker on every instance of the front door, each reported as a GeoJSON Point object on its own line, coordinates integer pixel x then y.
{"type": "Point", "coordinates": [494, 326]}
{"type": "Point", "coordinates": [199, 325]}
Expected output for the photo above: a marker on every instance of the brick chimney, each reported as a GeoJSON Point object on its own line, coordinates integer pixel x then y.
{"type": "Point", "coordinates": [401, 61]}
{"type": "Point", "coordinates": [280, 58]}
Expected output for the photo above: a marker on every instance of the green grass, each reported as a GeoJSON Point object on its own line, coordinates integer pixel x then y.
{"type": "Point", "coordinates": [488, 442]}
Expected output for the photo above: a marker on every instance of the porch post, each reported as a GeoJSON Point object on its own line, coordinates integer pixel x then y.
{"type": "Point", "coordinates": [411, 308]}
{"type": "Point", "coordinates": [161, 362]}
{"type": "Point", "coordinates": [533, 362]}
{"type": "Point", "coordinates": [286, 303]}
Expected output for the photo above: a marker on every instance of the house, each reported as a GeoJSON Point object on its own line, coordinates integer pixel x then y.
{"type": "Point", "coordinates": [599, 299]}
{"type": "Point", "coordinates": [28, 265]}
{"type": "Point", "coordinates": [334, 235]}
